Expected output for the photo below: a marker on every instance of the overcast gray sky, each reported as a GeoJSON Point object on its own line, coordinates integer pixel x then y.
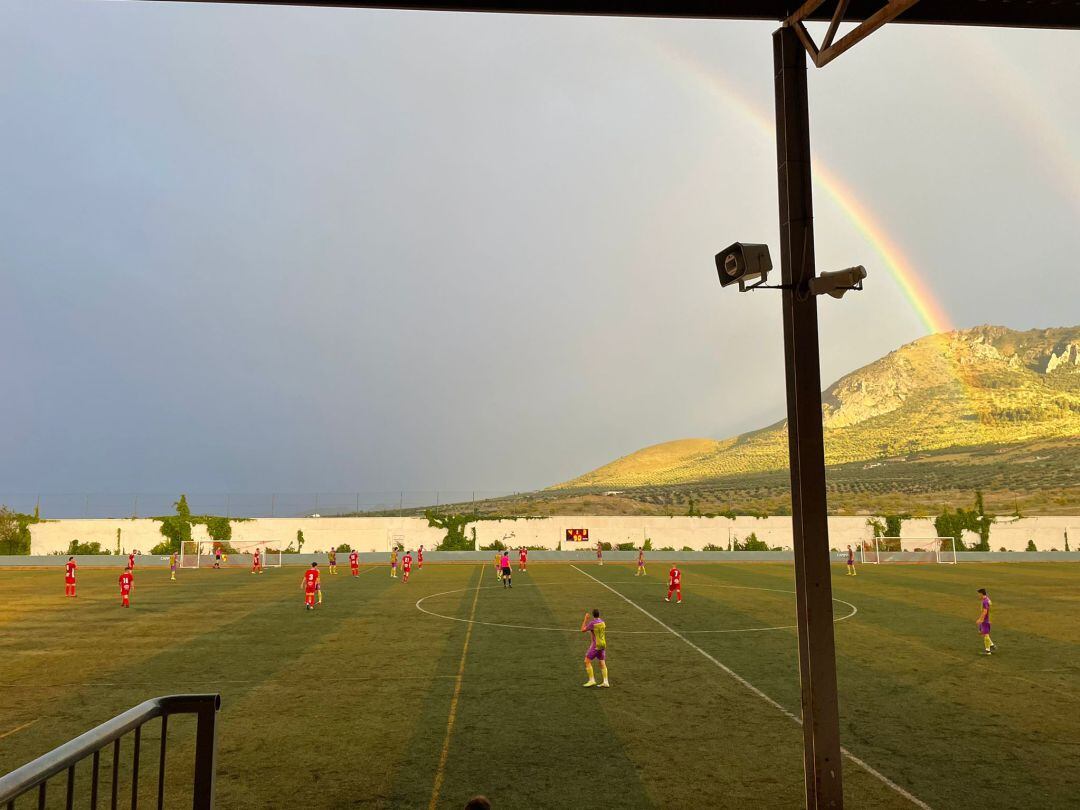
{"type": "Point", "coordinates": [251, 248]}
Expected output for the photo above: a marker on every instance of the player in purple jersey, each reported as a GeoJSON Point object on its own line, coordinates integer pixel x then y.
{"type": "Point", "coordinates": [983, 623]}
{"type": "Point", "coordinates": [598, 648]}
{"type": "Point", "coordinates": [851, 562]}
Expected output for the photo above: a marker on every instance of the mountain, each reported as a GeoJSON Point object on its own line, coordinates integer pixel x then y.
{"type": "Point", "coordinates": [987, 387]}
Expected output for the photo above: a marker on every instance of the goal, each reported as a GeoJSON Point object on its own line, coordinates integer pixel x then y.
{"type": "Point", "coordinates": [271, 556]}
{"type": "Point", "coordinates": [908, 550]}
{"type": "Point", "coordinates": [190, 553]}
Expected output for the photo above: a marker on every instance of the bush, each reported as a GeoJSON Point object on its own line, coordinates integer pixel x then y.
{"type": "Point", "coordinates": [687, 548]}
{"type": "Point", "coordinates": [626, 547]}
{"type": "Point", "coordinates": [714, 547]}
{"type": "Point", "coordinates": [605, 546]}
{"type": "Point", "coordinates": [647, 545]}
{"type": "Point", "coordinates": [496, 546]}
{"type": "Point", "coordinates": [751, 543]}
{"type": "Point", "coordinates": [344, 548]}
{"type": "Point", "coordinates": [666, 548]}
{"type": "Point", "coordinates": [15, 531]}
{"type": "Point", "coordinates": [75, 547]}
{"type": "Point", "coordinates": [1031, 546]}
{"type": "Point", "coordinates": [162, 548]}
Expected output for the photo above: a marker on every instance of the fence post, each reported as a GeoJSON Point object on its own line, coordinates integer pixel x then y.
{"type": "Point", "coordinates": [205, 750]}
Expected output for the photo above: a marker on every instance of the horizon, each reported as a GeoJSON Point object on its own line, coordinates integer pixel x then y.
{"type": "Point", "coordinates": [324, 307]}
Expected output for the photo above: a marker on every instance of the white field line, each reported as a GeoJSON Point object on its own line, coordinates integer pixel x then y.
{"type": "Point", "coordinates": [18, 728]}
{"type": "Point", "coordinates": [741, 680]}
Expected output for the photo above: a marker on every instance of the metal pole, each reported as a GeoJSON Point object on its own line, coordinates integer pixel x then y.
{"type": "Point", "coordinates": [205, 751]}
{"type": "Point", "coordinates": [813, 576]}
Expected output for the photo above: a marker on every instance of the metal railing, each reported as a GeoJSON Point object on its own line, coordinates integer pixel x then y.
{"type": "Point", "coordinates": [34, 776]}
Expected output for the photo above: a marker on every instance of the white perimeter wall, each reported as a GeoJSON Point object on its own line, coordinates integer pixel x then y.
{"type": "Point", "coordinates": [373, 534]}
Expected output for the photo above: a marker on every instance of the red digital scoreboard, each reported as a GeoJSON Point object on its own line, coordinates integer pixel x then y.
{"type": "Point", "coordinates": [577, 535]}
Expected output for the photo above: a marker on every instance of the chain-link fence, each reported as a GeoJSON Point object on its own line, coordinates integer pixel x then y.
{"type": "Point", "coordinates": [244, 505]}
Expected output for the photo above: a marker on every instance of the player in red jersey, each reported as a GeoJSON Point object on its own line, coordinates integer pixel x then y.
{"type": "Point", "coordinates": [310, 583]}
{"type": "Point", "coordinates": [420, 558]}
{"type": "Point", "coordinates": [523, 558]}
{"type": "Point", "coordinates": [256, 562]}
{"type": "Point", "coordinates": [131, 560]}
{"type": "Point", "coordinates": [674, 585]}
{"type": "Point", "coordinates": [354, 563]}
{"type": "Point", "coordinates": [69, 577]}
{"type": "Point", "coordinates": [127, 585]}
{"type": "Point", "coordinates": [406, 565]}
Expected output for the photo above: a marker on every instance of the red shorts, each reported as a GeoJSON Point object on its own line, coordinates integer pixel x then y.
{"type": "Point", "coordinates": [69, 580]}
{"type": "Point", "coordinates": [125, 592]}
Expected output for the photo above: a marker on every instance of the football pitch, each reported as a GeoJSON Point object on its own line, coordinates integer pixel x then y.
{"type": "Point", "coordinates": [427, 693]}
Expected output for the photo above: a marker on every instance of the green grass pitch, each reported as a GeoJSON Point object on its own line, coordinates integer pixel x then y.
{"type": "Point", "coordinates": [349, 705]}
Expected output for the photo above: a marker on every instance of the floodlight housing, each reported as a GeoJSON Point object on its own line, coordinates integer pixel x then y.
{"type": "Point", "coordinates": [838, 282]}
{"type": "Point", "coordinates": [742, 263]}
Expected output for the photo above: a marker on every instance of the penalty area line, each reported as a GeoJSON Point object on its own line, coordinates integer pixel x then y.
{"type": "Point", "coordinates": [741, 680]}
{"type": "Point", "coordinates": [441, 770]}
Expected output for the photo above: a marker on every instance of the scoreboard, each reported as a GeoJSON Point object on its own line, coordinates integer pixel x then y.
{"type": "Point", "coordinates": [577, 535]}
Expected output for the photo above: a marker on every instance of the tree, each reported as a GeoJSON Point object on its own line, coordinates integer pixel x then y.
{"type": "Point", "coordinates": [15, 531]}
{"type": "Point", "coordinates": [9, 532]}
{"type": "Point", "coordinates": [299, 540]}
{"type": "Point", "coordinates": [1031, 546]}
{"type": "Point", "coordinates": [1066, 539]}
{"type": "Point", "coordinates": [175, 528]}
{"type": "Point", "coordinates": [954, 524]}
{"type": "Point", "coordinates": [454, 526]}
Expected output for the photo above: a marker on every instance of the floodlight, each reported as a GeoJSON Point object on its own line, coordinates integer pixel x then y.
{"type": "Point", "coordinates": [742, 263]}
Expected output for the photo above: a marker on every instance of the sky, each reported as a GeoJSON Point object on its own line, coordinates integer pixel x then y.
{"type": "Point", "coordinates": [253, 249]}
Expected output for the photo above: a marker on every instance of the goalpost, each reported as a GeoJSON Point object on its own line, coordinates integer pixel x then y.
{"type": "Point", "coordinates": [190, 552]}
{"type": "Point", "coordinates": [908, 550]}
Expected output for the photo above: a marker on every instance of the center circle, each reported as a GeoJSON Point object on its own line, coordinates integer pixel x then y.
{"type": "Point", "coordinates": [511, 626]}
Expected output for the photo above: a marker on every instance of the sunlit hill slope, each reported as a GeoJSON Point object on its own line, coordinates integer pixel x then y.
{"type": "Point", "coordinates": [975, 387]}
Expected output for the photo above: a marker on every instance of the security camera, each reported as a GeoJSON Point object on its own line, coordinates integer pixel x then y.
{"type": "Point", "coordinates": [742, 263]}
{"type": "Point", "coordinates": [838, 282]}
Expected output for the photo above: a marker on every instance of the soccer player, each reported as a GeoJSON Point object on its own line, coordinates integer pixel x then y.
{"type": "Point", "coordinates": [217, 556]}
{"type": "Point", "coordinates": [640, 563]}
{"type": "Point", "coordinates": [333, 560]}
{"type": "Point", "coordinates": [523, 558]}
{"type": "Point", "coordinates": [598, 649]}
{"type": "Point", "coordinates": [393, 563]}
{"type": "Point", "coordinates": [983, 623]}
{"type": "Point", "coordinates": [69, 577]}
{"type": "Point", "coordinates": [354, 563]}
{"type": "Point", "coordinates": [498, 565]}
{"type": "Point", "coordinates": [131, 560]}
{"type": "Point", "coordinates": [406, 565]}
{"type": "Point", "coordinates": [310, 584]}
{"type": "Point", "coordinates": [507, 574]}
{"type": "Point", "coordinates": [127, 585]}
{"type": "Point", "coordinates": [256, 562]}
{"type": "Point", "coordinates": [173, 560]}
{"type": "Point", "coordinates": [674, 585]}
{"type": "Point", "coordinates": [851, 562]}
{"type": "Point", "coordinates": [420, 558]}
{"type": "Point", "coordinates": [600, 552]}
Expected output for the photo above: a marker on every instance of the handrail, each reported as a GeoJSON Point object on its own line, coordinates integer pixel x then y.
{"type": "Point", "coordinates": [69, 754]}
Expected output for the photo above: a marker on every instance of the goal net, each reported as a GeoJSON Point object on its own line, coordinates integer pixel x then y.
{"type": "Point", "coordinates": [190, 552]}
{"type": "Point", "coordinates": [908, 550]}
{"type": "Point", "coordinates": [271, 556]}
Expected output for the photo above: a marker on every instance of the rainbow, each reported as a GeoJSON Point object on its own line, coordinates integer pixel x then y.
{"type": "Point", "coordinates": [914, 287]}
